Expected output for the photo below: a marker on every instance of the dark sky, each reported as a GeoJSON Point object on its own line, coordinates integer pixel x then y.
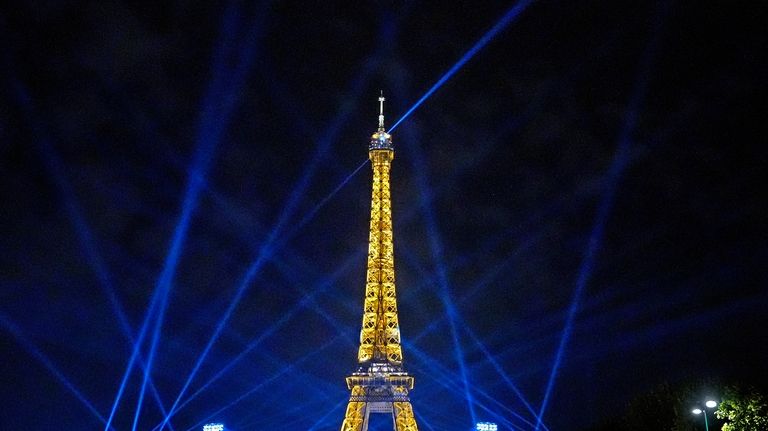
{"type": "Point", "coordinates": [596, 170]}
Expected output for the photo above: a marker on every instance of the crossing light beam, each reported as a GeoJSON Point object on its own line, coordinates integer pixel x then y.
{"type": "Point", "coordinates": [505, 20]}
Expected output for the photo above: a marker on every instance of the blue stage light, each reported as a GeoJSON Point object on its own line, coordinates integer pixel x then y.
{"type": "Point", "coordinates": [486, 426]}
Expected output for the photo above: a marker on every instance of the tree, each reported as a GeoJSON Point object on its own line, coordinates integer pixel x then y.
{"type": "Point", "coordinates": [743, 410]}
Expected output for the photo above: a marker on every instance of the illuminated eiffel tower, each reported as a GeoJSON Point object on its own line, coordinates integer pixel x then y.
{"type": "Point", "coordinates": [380, 384]}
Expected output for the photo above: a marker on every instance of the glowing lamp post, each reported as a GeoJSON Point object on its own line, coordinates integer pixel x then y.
{"type": "Point", "coordinates": [697, 411]}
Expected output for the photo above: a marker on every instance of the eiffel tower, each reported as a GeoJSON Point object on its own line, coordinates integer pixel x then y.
{"type": "Point", "coordinates": [380, 384]}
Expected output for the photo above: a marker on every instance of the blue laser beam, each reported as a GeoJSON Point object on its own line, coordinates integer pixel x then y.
{"type": "Point", "coordinates": [501, 419]}
{"type": "Point", "coordinates": [505, 20]}
{"type": "Point", "coordinates": [207, 142]}
{"type": "Point", "coordinates": [436, 250]}
{"type": "Point", "coordinates": [302, 406]}
{"type": "Point", "coordinates": [324, 418]}
{"type": "Point", "coordinates": [218, 198]}
{"type": "Point", "coordinates": [585, 272]}
{"type": "Point", "coordinates": [653, 334]}
{"type": "Point", "coordinates": [269, 246]}
{"type": "Point", "coordinates": [485, 279]}
{"type": "Point", "coordinates": [213, 121]}
{"type": "Point", "coordinates": [213, 130]}
{"type": "Point", "coordinates": [447, 417]}
{"type": "Point", "coordinates": [423, 421]}
{"type": "Point", "coordinates": [263, 335]}
{"type": "Point", "coordinates": [299, 411]}
{"type": "Point", "coordinates": [448, 380]}
{"type": "Point", "coordinates": [284, 376]}
{"type": "Point", "coordinates": [93, 257]}
{"type": "Point", "coordinates": [264, 382]}
{"type": "Point", "coordinates": [219, 328]}
{"type": "Point", "coordinates": [339, 327]}
{"type": "Point", "coordinates": [24, 341]}
{"type": "Point", "coordinates": [426, 199]}
{"type": "Point", "coordinates": [325, 200]}
{"type": "Point", "coordinates": [85, 236]}
{"type": "Point", "coordinates": [611, 181]}
{"type": "Point", "coordinates": [502, 373]}
{"type": "Point", "coordinates": [276, 325]}
{"type": "Point", "coordinates": [270, 331]}
{"type": "Point", "coordinates": [450, 309]}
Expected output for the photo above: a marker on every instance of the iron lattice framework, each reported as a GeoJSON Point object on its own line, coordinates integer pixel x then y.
{"type": "Point", "coordinates": [380, 384]}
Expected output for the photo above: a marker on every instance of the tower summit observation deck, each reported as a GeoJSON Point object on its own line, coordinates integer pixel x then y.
{"type": "Point", "coordinates": [380, 384]}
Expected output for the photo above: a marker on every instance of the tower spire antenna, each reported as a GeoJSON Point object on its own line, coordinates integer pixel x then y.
{"type": "Point", "coordinates": [381, 140]}
{"type": "Point", "coordinates": [381, 110]}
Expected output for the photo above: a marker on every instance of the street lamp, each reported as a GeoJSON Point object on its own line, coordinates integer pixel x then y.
{"type": "Point", "coordinates": [697, 411]}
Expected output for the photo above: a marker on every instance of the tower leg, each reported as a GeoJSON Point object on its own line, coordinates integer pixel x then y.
{"type": "Point", "coordinates": [404, 419]}
{"type": "Point", "coordinates": [356, 411]}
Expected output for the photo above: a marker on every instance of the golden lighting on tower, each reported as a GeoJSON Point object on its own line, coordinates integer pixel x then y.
{"type": "Point", "coordinates": [380, 385]}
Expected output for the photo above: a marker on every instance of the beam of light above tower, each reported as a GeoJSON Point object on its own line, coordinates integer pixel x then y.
{"type": "Point", "coordinates": [505, 20]}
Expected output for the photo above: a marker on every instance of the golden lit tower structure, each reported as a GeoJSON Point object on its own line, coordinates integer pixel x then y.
{"type": "Point", "coordinates": [380, 384]}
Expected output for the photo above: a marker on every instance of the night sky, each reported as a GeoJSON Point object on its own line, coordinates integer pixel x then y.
{"type": "Point", "coordinates": [586, 191]}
